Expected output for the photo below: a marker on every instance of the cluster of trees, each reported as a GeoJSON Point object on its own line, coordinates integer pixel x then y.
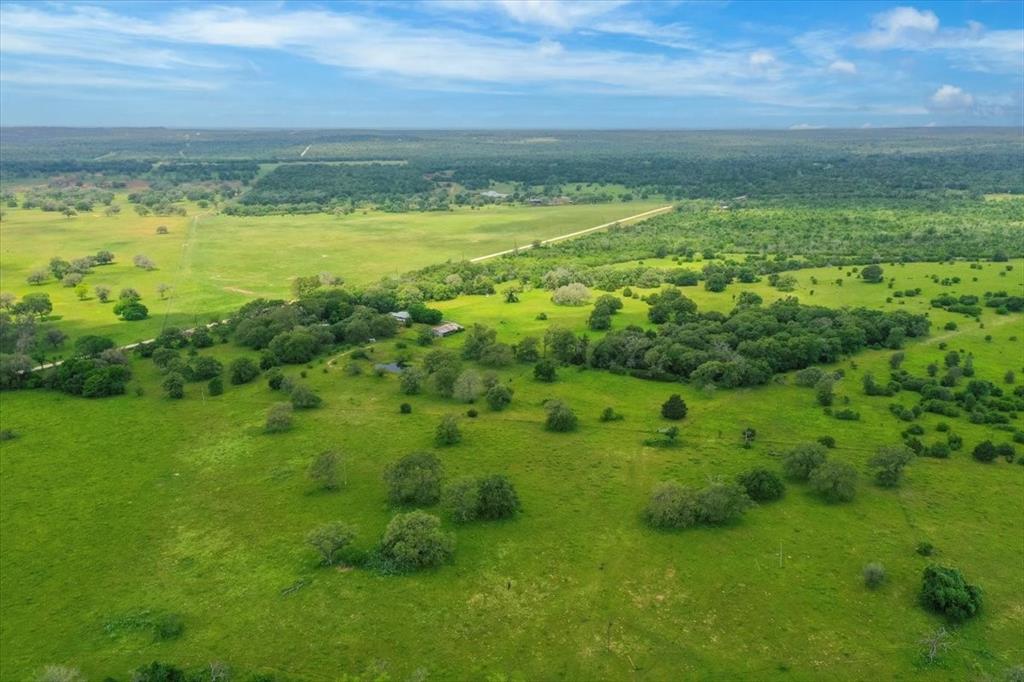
{"type": "Point", "coordinates": [675, 506]}
{"type": "Point", "coordinates": [296, 185]}
{"type": "Point", "coordinates": [835, 481]}
{"type": "Point", "coordinates": [70, 273]}
{"type": "Point", "coordinates": [750, 344]}
{"type": "Point", "coordinates": [95, 369]}
{"type": "Point", "coordinates": [957, 391]}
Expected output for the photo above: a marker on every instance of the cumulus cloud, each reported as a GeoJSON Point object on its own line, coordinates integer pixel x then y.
{"type": "Point", "coordinates": [898, 25]}
{"type": "Point", "coordinates": [951, 97]}
{"type": "Point", "coordinates": [844, 67]}
{"type": "Point", "coordinates": [762, 58]}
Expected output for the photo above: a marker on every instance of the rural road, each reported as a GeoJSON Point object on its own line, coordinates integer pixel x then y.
{"type": "Point", "coordinates": [645, 214]}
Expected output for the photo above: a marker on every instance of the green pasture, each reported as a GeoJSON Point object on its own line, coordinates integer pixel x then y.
{"type": "Point", "coordinates": [119, 505]}
{"type": "Point", "coordinates": [215, 263]}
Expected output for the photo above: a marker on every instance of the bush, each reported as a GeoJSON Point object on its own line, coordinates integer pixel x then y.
{"type": "Point", "coordinates": [835, 481]}
{"type": "Point", "coordinates": [158, 672]}
{"type": "Point", "coordinates": [414, 480]}
{"type": "Point", "coordinates": [925, 548]}
{"type": "Point", "coordinates": [574, 294]}
{"type": "Point", "coordinates": [721, 502]}
{"type": "Point", "coordinates": [545, 371]}
{"type": "Point", "coordinates": [303, 398]}
{"type": "Point", "coordinates": [279, 418]}
{"type": "Point", "coordinates": [498, 397]}
{"type": "Point", "coordinates": [498, 498]}
{"type": "Point", "coordinates": [323, 471]}
{"type": "Point", "coordinates": [560, 417]}
{"type": "Point", "coordinates": [411, 380]}
{"type": "Point", "coordinates": [216, 386]}
{"type": "Point", "coordinates": [330, 541]}
{"type": "Point", "coordinates": [405, 408]}
{"type": "Point", "coordinates": [761, 485]}
{"type": "Point", "coordinates": [462, 500]}
{"type": "Point", "coordinates": [984, 451]}
{"type": "Point", "coordinates": [1006, 451]}
{"type": "Point", "coordinates": [243, 370]}
{"type": "Point", "coordinates": [945, 591]}
{"type": "Point", "coordinates": [888, 463]}
{"type": "Point", "coordinates": [447, 432]}
{"type": "Point", "coordinates": [415, 541]}
{"type": "Point", "coordinates": [671, 506]}
{"type": "Point", "coordinates": [674, 407]}
{"type": "Point", "coordinates": [609, 414]}
{"type": "Point", "coordinates": [874, 575]}
{"type": "Point", "coordinates": [168, 626]}
{"type": "Point", "coordinates": [799, 462]}
{"type": "Point", "coordinates": [827, 441]}
{"type": "Point", "coordinates": [174, 386]}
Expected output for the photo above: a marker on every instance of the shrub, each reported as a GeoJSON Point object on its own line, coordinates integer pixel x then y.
{"type": "Point", "coordinates": [468, 386]}
{"type": "Point", "coordinates": [174, 386]}
{"type": "Point", "coordinates": [609, 414]}
{"type": "Point", "coordinates": [158, 672]}
{"type": "Point", "coordinates": [414, 480]}
{"type": "Point", "coordinates": [216, 386]}
{"type": "Point", "coordinates": [560, 417]}
{"type": "Point", "coordinates": [674, 407]}
{"type": "Point", "coordinates": [462, 500]}
{"type": "Point", "coordinates": [411, 380]}
{"type": "Point", "coordinates": [984, 451]}
{"type": "Point", "coordinates": [447, 432]}
{"type": "Point", "coordinates": [497, 498]}
{"type": "Point", "coordinates": [925, 548]}
{"type": "Point", "coordinates": [945, 591]}
{"type": "Point", "coordinates": [498, 397]}
{"type": "Point", "coordinates": [243, 370]}
{"type": "Point", "coordinates": [330, 540]}
{"type": "Point", "coordinates": [545, 371]}
{"type": "Point", "coordinates": [827, 441]}
{"type": "Point", "coordinates": [1006, 451]}
{"type": "Point", "coordinates": [574, 294]}
{"type": "Point", "coordinates": [415, 541]}
{"type": "Point", "coordinates": [323, 470]}
{"type": "Point", "coordinates": [279, 418]}
{"type": "Point", "coordinates": [761, 485]}
{"type": "Point", "coordinates": [874, 575]}
{"type": "Point", "coordinates": [303, 398]}
{"type": "Point", "coordinates": [888, 464]}
{"type": "Point", "coordinates": [721, 502]}
{"type": "Point", "coordinates": [168, 626]}
{"type": "Point", "coordinates": [671, 506]}
{"type": "Point", "coordinates": [835, 481]}
{"type": "Point", "coordinates": [799, 462]}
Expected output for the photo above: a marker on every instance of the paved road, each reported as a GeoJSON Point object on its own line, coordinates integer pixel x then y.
{"type": "Point", "coordinates": [645, 214]}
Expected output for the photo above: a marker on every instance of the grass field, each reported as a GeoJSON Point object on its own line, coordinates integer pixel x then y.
{"type": "Point", "coordinates": [215, 263]}
{"type": "Point", "coordinates": [188, 507]}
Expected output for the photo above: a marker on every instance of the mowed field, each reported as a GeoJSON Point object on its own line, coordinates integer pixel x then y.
{"type": "Point", "coordinates": [215, 263]}
{"type": "Point", "coordinates": [187, 507]}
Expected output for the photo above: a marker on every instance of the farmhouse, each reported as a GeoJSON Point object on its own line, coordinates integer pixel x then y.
{"type": "Point", "coordinates": [447, 329]}
{"type": "Point", "coordinates": [403, 317]}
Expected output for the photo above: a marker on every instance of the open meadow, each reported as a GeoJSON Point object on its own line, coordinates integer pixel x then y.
{"type": "Point", "coordinates": [122, 510]}
{"type": "Point", "coordinates": [214, 262]}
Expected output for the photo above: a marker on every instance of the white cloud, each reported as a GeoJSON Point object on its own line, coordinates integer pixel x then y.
{"type": "Point", "coordinates": [951, 97]}
{"type": "Point", "coordinates": [762, 58]}
{"type": "Point", "coordinates": [805, 126]}
{"type": "Point", "coordinates": [844, 67]}
{"type": "Point", "coordinates": [899, 24]}
{"type": "Point", "coordinates": [561, 14]}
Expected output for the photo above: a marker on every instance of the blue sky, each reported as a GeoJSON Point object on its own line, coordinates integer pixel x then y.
{"type": "Point", "coordinates": [512, 64]}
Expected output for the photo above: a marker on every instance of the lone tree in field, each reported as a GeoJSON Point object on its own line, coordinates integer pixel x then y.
{"type": "Point", "coordinates": [798, 463]}
{"type": "Point", "coordinates": [279, 418]}
{"type": "Point", "coordinates": [144, 262]}
{"type": "Point", "coordinates": [888, 464]}
{"type": "Point", "coordinates": [984, 451]}
{"type": "Point", "coordinates": [761, 485]}
{"type": "Point", "coordinates": [448, 432]}
{"type": "Point", "coordinates": [674, 407]}
{"type": "Point", "coordinates": [163, 289]}
{"type": "Point", "coordinates": [871, 274]}
{"type": "Point", "coordinates": [560, 417]}
{"type": "Point", "coordinates": [414, 479]}
{"type": "Point", "coordinates": [162, 229]}
{"type": "Point", "coordinates": [498, 397]}
{"type": "Point", "coordinates": [329, 540]}
{"type": "Point", "coordinates": [944, 590]}
{"type": "Point", "coordinates": [874, 575]}
{"type": "Point", "coordinates": [324, 470]}
{"type": "Point", "coordinates": [415, 541]}
{"type": "Point", "coordinates": [545, 371]}
{"type": "Point", "coordinates": [835, 481]}
{"type": "Point", "coordinates": [102, 292]}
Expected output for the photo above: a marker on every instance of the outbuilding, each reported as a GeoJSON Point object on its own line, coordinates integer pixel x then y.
{"type": "Point", "coordinates": [447, 329]}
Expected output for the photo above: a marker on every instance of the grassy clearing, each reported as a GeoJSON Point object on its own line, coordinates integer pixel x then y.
{"type": "Point", "coordinates": [209, 522]}
{"type": "Point", "coordinates": [216, 263]}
